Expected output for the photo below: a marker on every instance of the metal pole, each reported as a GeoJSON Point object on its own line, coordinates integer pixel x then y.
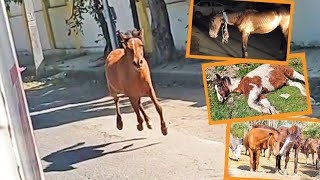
{"type": "Point", "coordinates": [107, 16]}
{"type": "Point", "coordinates": [134, 14]}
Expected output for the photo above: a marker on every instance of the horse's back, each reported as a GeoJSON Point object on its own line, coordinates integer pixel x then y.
{"type": "Point", "coordinates": [115, 56]}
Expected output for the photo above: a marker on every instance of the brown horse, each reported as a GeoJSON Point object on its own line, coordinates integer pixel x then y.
{"type": "Point", "coordinates": [293, 140]}
{"type": "Point", "coordinates": [127, 72]}
{"type": "Point", "coordinates": [255, 139]}
{"type": "Point", "coordinates": [318, 158]}
{"type": "Point", "coordinates": [253, 22]}
{"type": "Point", "coordinates": [310, 147]}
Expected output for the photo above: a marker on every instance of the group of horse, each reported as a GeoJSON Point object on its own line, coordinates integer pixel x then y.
{"type": "Point", "coordinates": [279, 142]}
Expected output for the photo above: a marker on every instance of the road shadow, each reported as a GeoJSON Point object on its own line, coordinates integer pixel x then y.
{"type": "Point", "coordinates": [65, 103]}
{"type": "Point", "coordinates": [64, 159]}
{"type": "Point", "coordinates": [271, 169]}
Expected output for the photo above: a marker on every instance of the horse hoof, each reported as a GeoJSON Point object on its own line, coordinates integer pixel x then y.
{"type": "Point", "coordinates": [119, 125]}
{"type": "Point", "coordinates": [139, 127]}
{"type": "Point", "coordinates": [295, 174]}
{"type": "Point", "coordinates": [149, 125]}
{"type": "Point", "coordinates": [164, 131]}
{"type": "Point", "coordinates": [285, 173]}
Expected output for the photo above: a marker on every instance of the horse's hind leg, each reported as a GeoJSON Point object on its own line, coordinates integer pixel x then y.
{"type": "Point", "coordinates": [297, 85]}
{"type": "Point", "coordinates": [146, 117]}
{"type": "Point", "coordinates": [253, 96]}
{"type": "Point", "coordinates": [154, 99]}
{"type": "Point", "coordinates": [245, 37]}
{"type": "Point", "coordinates": [135, 105]}
{"type": "Point", "coordinates": [265, 102]}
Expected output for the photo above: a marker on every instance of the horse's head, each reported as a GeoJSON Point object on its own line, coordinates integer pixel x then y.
{"type": "Point", "coordinates": [291, 139]}
{"type": "Point", "coordinates": [133, 42]}
{"type": "Point", "coordinates": [215, 25]}
{"type": "Point", "coordinates": [221, 85]}
{"type": "Point", "coordinates": [275, 140]}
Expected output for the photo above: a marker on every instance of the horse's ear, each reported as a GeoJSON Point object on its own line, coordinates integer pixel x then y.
{"type": "Point", "coordinates": [123, 37]}
{"type": "Point", "coordinates": [141, 33]}
{"type": "Point", "coordinates": [227, 79]}
{"type": "Point", "coordinates": [218, 76]}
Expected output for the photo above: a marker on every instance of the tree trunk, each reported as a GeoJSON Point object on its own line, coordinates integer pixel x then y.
{"type": "Point", "coordinates": [104, 26]}
{"type": "Point", "coordinates": [164, 48]}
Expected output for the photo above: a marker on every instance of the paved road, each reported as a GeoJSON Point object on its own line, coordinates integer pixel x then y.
{"type": "Point", "coordinates": [260, 46]}
{"type": "Point", "coordinates": [76, 133]}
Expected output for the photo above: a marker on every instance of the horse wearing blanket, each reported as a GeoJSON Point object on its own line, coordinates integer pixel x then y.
{"type": "Point", "coordinates": [257, 83]}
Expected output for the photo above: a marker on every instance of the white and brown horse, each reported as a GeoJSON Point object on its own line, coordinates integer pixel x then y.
{"type": "Point", "coordinates": [253, 22]}
{"type": "Point", "coordinates": [257, 83]}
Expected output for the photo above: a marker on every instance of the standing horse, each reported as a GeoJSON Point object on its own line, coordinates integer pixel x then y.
{"type": "Point", "coordinates": [257, 83]}
{"type": "Point", "coordinates": [127, 72]}
{"type": "Point", "coordinates": [292, 141]}
{"type": "Point", "coordinates": [253, 22]}
{"type": "Point", "coordinates": [310, 147]}
{"type": "Point", "coordinates": [254, 141]}
{"type": "Point", "coordinates": [318, 158]}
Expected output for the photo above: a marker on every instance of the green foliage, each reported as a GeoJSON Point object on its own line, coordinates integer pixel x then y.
{"type": "Point", "coordinates": [296, 64]}
{"type": "Point", "coordinates": [312, 130]}
{"type": "Point", "coordinates": [244, 69]}
{"type": "Point", "coordinates": [238, 129]}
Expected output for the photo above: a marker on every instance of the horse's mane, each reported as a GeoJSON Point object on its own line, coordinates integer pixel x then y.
{"type": "Point", "coordinates": [265, 127]}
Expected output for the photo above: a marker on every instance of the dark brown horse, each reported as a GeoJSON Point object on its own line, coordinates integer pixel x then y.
{"type": "Point", "coordinates": [318, 158]}
{"type": "Point", "coordinates": [255, 139]}
{"type": "Point", "coordinates": [293, 140]}
{"type": "Point", "coordinates": [127, 72]}
{"type": "Point", "coordinates": [253, 22]}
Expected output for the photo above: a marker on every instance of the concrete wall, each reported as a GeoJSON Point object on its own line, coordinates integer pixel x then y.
{"type": "Point", "coordinates": [305, 23]}
{"type": "Point", "coordinates": [58, 12]}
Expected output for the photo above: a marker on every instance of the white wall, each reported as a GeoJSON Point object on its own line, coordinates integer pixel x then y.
{"type": "Point", "coordinates": [58, 14]}
{"type": "Point", "coordinates": [306, 29]}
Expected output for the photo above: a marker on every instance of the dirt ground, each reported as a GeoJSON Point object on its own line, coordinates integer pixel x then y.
{"type": "Point", "coordinates": [241, 168]}
{"type": "Point", "coordinates": [77, 138]}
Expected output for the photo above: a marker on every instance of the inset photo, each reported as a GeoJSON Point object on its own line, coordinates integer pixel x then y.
{"type": "Point", "coordinates": [233, 29]}
{"type": "Point", "coordinates": [274, 149]}
{"type": "Point", "coordinates": [247, 91]}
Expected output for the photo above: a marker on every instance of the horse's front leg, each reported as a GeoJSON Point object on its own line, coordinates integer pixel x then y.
{"type": "Point", "coordinates": [251, 160]}
{"type": "Point", "coordinates": [245, 37]}
{"type": "Point", "coordinates": [146, 117]}
{"type": "Point", "coordinates": [286, 164]}
{"type": "Point", "coordinates": [152, 95]}
{"type": "Point", "coordinates": [296, 158]}
{"type": "Point", "coordinates": [253, 96]}
{"type": "Point", "coordinates": [257, 160]}
{"type": "Point", "coordinates": [135, 105]}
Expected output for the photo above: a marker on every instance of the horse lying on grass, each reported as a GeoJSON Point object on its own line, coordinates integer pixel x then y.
{"type": "Point", "coordinates": [257, 83]}
{"type": "Point", "coordinates": [127, 72]}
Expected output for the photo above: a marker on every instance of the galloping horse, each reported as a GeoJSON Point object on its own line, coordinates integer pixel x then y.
{"type": "Point", "coordinates": [253, 22]}
{"type": "Point", "coordinates": [292, 141]}
{"type": "Point", "coordinates": [127, 72]}
{"type": "Point", "coordinates": [310, 147]}
{"type": "Point", "coordinates": [255, 139]}
{"type": "Point", "coordinates": [257, 83]}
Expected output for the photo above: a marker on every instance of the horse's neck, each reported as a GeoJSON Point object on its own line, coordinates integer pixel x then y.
{"type": "Point", "coordinates": [234, 17]}
{"type": "Point", "coordinates": [234, 83]}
